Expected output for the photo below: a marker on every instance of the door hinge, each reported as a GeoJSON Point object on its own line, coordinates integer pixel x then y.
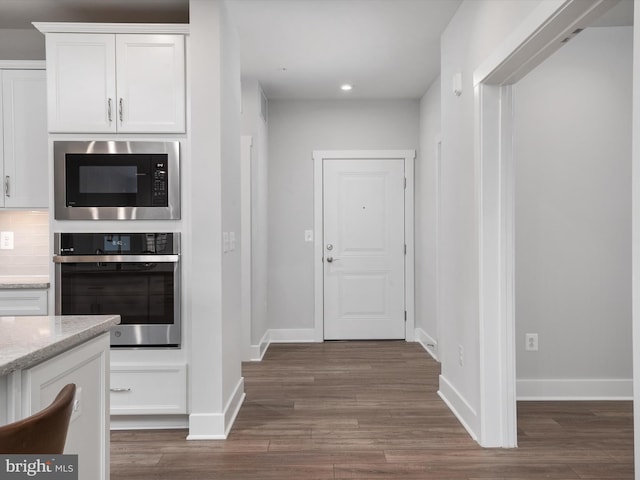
{"type": "Point", "coordinates": [405, 183]}
{"type": "Point", "coordinates": [405, 315]}
{"type": "Point", "coordinates": [405, 248]}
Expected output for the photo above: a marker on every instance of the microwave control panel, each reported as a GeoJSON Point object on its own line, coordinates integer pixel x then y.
{"type": "Point", "coordinates": [160, 196]}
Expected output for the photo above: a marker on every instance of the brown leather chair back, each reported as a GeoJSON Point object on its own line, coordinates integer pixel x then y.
{"type": "Point", "coordinates": [42, 433]}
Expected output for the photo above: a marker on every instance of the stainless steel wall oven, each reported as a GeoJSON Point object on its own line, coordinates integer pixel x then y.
{"type": "Point", "coordinates": [116, 180]}
{"type": "Point", "coordinates": [134, 275]}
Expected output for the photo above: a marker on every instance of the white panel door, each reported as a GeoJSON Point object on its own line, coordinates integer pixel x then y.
{"type": "Point", "coordinates": [26, 173]}
{"type": "Point", "coordinates": [151, 83]}
{"type": "Point", "coordinates": [363, 244]}
{"type": "Point", "coordinates": [81, 82]}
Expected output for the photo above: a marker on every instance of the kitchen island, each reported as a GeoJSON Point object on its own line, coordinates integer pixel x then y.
{"type": "Point", "coordinates": [41, 354]}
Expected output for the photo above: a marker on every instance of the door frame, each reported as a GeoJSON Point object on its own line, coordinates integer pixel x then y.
{"type": "Point", "coordinates": [542, 33]}
{"type": "Point", "coordinates": [408, 156]}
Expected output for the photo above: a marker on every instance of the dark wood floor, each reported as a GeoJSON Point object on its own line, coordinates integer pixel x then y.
{"type": "Point", "coordinates": [369, 410]}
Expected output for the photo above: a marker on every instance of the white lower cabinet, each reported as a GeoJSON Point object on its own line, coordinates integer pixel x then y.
{"type": "Point", "coordinates": [86, 366]}
{"type": "Point", "coordinates": [148, 389]}
{"type": "Point", "coordinates": [20, 302]}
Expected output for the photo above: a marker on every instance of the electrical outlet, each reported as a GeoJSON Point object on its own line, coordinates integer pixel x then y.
{"type": "Point", "coordinates": [531, 342]}
{"type": "Point", "coordinates": [461, 355]}
{"type": "Point", "coordinates": [6, 240]}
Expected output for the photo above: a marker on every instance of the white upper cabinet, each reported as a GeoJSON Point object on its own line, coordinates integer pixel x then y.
{"type": "Point", "coordinates": [81, 82]}
{"type": "Point", "coordinates": [150, 83]}
{"type": "Point", "coordinates": [24, 145]}
{"type": "Point", "coordinates": [107, 83]}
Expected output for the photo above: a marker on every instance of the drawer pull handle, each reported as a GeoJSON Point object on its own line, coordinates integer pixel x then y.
{"type": "Point", "coordinates": [120, 390]}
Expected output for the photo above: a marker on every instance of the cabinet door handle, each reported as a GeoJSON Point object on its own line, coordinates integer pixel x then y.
{"type": "Point", "coordinates": [119, 390]}
{"type": "Point", "coordinates": [120, 110]}
{"type": "Point", "coordinates": [7, 180]}
{"type": "Point", "coordinates": [109, 110]}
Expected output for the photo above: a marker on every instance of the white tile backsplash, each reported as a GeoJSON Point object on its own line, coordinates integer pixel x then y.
{"type": "Point", "coordinates": [30, 255]}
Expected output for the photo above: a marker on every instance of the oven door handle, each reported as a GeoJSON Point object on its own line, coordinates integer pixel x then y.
{"type": "Point", "coordinates": [116, 258]}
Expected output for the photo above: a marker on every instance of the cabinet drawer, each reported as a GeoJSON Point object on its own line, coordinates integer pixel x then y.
{"type": "Point", "coordinates": [23, 302]}
{"type": "Point", "coordinates": [148, 389]}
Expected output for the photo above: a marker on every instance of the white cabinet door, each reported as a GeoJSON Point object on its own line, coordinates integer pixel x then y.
{"type": "Point", "coordinates": [102, 83]}
{"type": "Point", "coordinates": [88, 367]}
{"type": "Point", "coordinates": [19, 302]}
{"type": "Point", "coordinates": [150, 83]}
{"type": "Point", "coordinates": [81, 82]}
{"type": "Point", "coordinates": [25, 147]}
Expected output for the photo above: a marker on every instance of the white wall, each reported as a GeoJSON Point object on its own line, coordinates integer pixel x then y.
{"type": "Point", "coordinates": [572, 153]}
{"type": "Point", "coordinates": [255, 126]}
{"type": "Point", "coordinates": [476, 29]}
{"type": "Point", "coordinates": [426, 185]}
{"type": "Point", "coordinates": [215, 383]}
{"type": "Point", "coordinates": [635, 180]}
{"type": "Point", "coordinates": [21, 44]}
{"type": "Point", "coordinates": [231, 128]}
{"type": "Point", "coordinates": [296, 128]}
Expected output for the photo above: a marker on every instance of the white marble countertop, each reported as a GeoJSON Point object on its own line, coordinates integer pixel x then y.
{"type": "Point", "coordinates": [27, 341]}
{"type": "Point", "coordinates": [24, 281]}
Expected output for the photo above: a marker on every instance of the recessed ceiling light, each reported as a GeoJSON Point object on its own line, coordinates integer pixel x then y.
{"type": "Point", "coordinates": [346, 87]}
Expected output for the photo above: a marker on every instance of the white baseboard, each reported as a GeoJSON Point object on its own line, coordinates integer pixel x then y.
{"type": "Point", "coordinates": [292, 335]}
{"type": "Point", "coordinates": [427, 342]}
{"type": "Point", "coordinates": [256, 352]}
{"type": "Point", "coordinates": [216, 426]}
{"type": "Point", "coordinates": [148, 422]}
{"type": "Point", "coordinates": [280, 335]}
{"type": "Point", "coordinates": [465, 414]}
{"type": "Point", "coordinates": [232, 408]}
{"type": "Point", "coordinates": [574, 389]}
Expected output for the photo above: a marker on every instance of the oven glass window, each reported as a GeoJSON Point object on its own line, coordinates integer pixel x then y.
{"type": "Point", "coordinates": [141, 293]}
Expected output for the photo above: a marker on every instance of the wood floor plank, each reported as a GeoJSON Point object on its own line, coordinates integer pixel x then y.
{"type": "Point", "coordinates": [370, 410]}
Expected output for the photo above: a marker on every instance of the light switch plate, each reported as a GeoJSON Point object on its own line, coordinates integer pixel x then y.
{"type": "Point", "coordinates": [6, 240]}
{"type": "Point", "coordinates": [308, 235]}
{"type": "Point", "coordinates": [225, 242]}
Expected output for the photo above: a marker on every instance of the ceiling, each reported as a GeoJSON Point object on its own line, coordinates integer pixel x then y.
{"type": "Point", "coordinates": [303, 49]}
{"type": "Point", "coordinates": [308, 48]}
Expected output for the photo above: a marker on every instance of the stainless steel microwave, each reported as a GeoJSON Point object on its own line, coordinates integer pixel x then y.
{"type": "Point", "coordinates": [116, 180]}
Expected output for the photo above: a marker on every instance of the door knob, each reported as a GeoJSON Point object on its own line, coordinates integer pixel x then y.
{"type": "Point", "coordinates": [331, 259]}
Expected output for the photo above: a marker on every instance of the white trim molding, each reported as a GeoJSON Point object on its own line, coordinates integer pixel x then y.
{"type": "Point", "coordinates": [23, 64]}
{"type": "Point", "coordinates": [216, 426]}
{"type": "Point", "coordinates": [256, 352]}
{"type": "Point", "coordinates": [462, 409]}
{"type": "Point", "coordinates": [532, 42]}
{"type": "Point", "coordinates": [149, 422]}
{"type": "Point", "coordinates": [292, 335]}
{"type": "Point", "coordinates": [76, 27]}
{"type": "Point", "coordinates": [318, 157]}
{"type": "Point", "coordinates": [246, 259]}
{"type": "Point", "coordinates": [429, 343]}
{"type": "Point", "coordinates": [555, 389]}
